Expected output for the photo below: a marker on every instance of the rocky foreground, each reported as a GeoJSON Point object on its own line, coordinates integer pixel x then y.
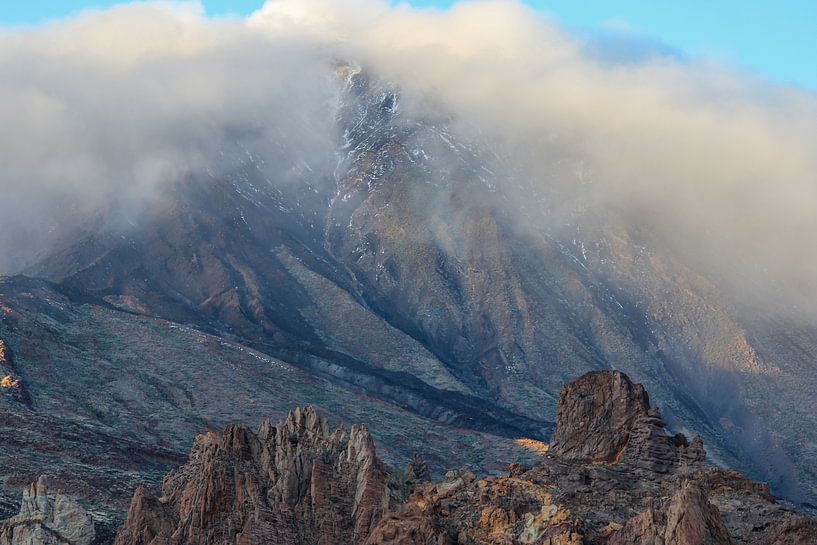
{"type": "Point", "coordinates": [612, 476]}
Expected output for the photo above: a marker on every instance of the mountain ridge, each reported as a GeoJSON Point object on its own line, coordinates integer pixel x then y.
{"type": "Point", "coordinates": [406, 270]}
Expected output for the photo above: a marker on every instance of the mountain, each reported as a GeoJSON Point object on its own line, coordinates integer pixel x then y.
{"type": "Point", "coordinates": [626, 482]}
{"type": "Point", "coordinates": [115, 400]}
{"type": "Point", "coordinates": [410, 276]}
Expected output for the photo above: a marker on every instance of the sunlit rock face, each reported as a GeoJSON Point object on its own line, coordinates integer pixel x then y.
{"type": "Point", "coordinates": [295, 483]}
{"type": "Point", "coordinates": [10, 382]}
{"type": "Point", "coordinates": [47, 520]}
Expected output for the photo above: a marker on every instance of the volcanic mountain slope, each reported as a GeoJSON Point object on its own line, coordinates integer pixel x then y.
{"type": "Point", "coordinates": [415, 255]}
{"type": "Point", "coordinates": [627, 482]}
{"type": "Point", "coordinates": [115, 399]}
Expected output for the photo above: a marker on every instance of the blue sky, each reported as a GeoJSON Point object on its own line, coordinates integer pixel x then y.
{"type": "Point", "coordinates": [777, 40]}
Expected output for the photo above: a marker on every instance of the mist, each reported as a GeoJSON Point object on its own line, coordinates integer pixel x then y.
{"type": "Point", "coordinates": [102, 112]}
{"type": "Point", "coordinates": [717, 164]}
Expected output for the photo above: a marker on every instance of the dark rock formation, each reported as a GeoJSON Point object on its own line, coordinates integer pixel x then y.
{"type": "Point", "coordinates": [596, 415]}
{"type": "Point", "coordinates": [297, 482]}
{"type": "Point", "coordinates": [604, 417]}
{"type": "Point", "coordinates": [417, 471]}
{"type": "Point", "coordinates": [45, 520]}
{"type": "Point", "coordinates": [687, 519]}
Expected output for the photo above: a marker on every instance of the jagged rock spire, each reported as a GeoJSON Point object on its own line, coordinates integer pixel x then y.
{"type": "Point", "coordinates": [295, 483]}
{"type": "Point", "coordinates": [45, 520]}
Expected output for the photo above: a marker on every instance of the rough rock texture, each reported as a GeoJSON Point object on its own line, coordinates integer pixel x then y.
{"type": "Point", "coordinates": [300, 483]}
{"type": "Point", "coordinates": [687, 519]}
{"type": "Point", "coordinates": [603, 492]}
{"type": "Point", "coordinates": [596, 415]}
{"type": "Point", "coordinates": [44, 520]}
{"type": "Point", "coordinates": [297, 482]}
{"type": "Point", "coordinates": [604, 417]}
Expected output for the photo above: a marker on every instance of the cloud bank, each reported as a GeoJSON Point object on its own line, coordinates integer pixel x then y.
{"type": "Point", "coordinates": [102, 111]}
{"type": "Point", "coordinates": [718, 164]}
{"type": "Point", "coordinates": [722, 165]}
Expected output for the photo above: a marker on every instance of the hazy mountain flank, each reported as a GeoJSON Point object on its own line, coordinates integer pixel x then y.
{"type": "Point", "coordinates": [421, 224]}
{"type": "Point", "coordinates": [407, 275]}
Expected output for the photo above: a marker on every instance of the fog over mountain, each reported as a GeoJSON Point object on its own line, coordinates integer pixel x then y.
{"type": "Point", "coordinates": [437, 218]}
{"type": "Point", "coordinates": [110, 104]}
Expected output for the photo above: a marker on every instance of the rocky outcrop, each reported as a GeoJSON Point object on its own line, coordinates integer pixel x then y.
{"type": "Point", "coordinates": [688, 518]}
{"type": "Point", "coordinates": [612, 477]}
{"type": "Point", "coordinates": [45, 520]}
{"type": "Point", "coordinates": [596, 415]}
{"type": "Point", "coordinates": [604, 417]}
{"type": "Point", "coordinates": [494, 510]}
{"type": "Point", "coordinates": [297, 482]}
{"type": "Point", "coordinates": [300, 483]}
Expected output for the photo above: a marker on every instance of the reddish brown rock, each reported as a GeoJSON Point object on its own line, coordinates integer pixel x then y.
{"type": "Point", "coordinates": [798, 531]}
{"type": "Point", "coordinates": [294, 483]}
{"type": "Point", "coordinates": [300, 483]}
{"type": "Point", "coordinates": [503, 510]}
{"type": "Point", "coordinates": [687, 518]}
{"type": "Point", "coordinates": [596, 415]}
{"type": "Point", "coordinates": [617, 479]}
{"type": "Point", "coordinates": [604, 417]}
{"type": "Point", "coordinates": [693, 520]}
{"type": "Point", "coordinates": [148, 520]}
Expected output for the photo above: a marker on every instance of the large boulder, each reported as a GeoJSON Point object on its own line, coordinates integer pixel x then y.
{"type": "Point", "coordinates": [604, 417]}
{"type": "Point", "coordinates": [596, 415]}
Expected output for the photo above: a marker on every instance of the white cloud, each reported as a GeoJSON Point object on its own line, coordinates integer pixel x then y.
{"type": "Point", "coordinates": [723, 164]}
